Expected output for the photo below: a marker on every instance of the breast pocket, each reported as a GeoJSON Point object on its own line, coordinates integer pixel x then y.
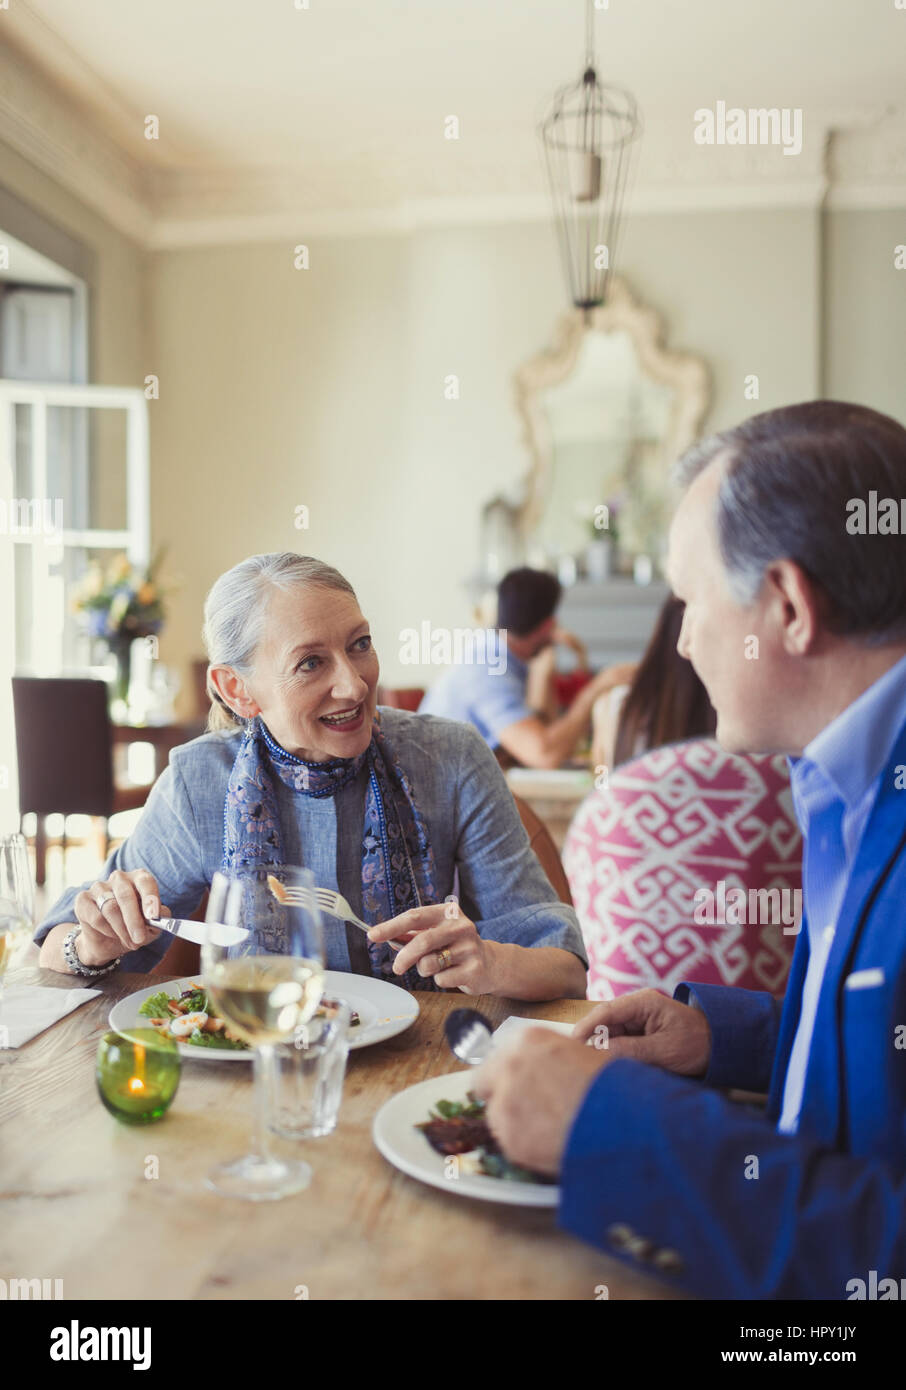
{"type": "Point", "coordinates": [875, 1066]}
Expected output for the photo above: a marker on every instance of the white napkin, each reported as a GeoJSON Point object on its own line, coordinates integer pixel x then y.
{"type": "Point", "coordinates": [26, 1010]}
{"type": "Point", "coordinates": [511, 1027]}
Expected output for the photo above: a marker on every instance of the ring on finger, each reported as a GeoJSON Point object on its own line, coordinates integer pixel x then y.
{"type": "Point", "coordinates": [105, 899]}
{"type": "Point", "coordinates": [445, 959]}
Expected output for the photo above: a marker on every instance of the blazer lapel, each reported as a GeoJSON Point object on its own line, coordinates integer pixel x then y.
{"type": "Point", "coordinates": [789, 1020]}
{"type": "Point", "coordinates": [820, 1117]}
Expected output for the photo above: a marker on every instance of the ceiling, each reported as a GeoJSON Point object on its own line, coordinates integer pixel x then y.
{"type": "Point", "coordinates": [265, 108]}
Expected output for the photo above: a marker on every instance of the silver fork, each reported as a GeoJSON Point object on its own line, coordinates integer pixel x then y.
{"type": "Point", "coordinates": [337, 906]}
{"type": "Point", "coordinates": [333, 903]}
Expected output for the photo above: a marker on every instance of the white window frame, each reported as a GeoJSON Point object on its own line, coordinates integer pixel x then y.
{"type": "Point", "coordinates": [134, 539]}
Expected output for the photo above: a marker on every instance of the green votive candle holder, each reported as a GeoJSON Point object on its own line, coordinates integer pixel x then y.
{"type": "Point", "coordinates": [137, 1073]}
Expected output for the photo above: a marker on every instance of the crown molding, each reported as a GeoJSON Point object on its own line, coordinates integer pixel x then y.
{"type": "Point", "coordinates": [170, 233]}
{"type": "Point", "coordinates": [80, 134]}
{"type": "Point", "coordinates": [44, 128]}
{"type": "Point", "coordinates": [69, 75]}
{"type": "Point", "coordinates": [867, 165]}
{"type": "Point", "coordinates": [867, 197]}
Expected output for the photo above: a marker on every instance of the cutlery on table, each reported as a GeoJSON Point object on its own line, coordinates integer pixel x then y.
{"type": "Point", "coordinates": [469, 1034]}
{"type": "Point", "coordinates": [334, 904]}
{"type": "Point", "coordinates": [217, 933]}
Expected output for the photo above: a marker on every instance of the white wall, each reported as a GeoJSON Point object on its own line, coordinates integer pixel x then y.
{"type": "Point", "coordinates": [325, 387]}
{"type": "Point", "coordinates": [866, 309]}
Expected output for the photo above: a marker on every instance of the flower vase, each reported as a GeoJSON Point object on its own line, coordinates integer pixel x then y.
{"type": "Point", "coordinates": [121, 649]}
{"type": "Point", "coordinates": [599, 560]}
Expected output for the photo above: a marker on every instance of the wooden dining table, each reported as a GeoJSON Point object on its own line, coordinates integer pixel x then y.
{"type": "Point", "coordinates": [80, 1201]}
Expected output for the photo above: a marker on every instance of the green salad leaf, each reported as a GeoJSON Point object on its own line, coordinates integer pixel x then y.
{"type": "Point", "coordinates": [216, 1040]}
{"type": "Point", "coordinates": [496, 1166]}
{"type": "Point", "coordinates": [453, 1109]}
{"type": "Point", "coordinates": [156, 1005]}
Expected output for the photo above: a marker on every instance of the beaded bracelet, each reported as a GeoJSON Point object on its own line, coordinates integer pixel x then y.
{"type": "Point", "coordinates": [78, 967]}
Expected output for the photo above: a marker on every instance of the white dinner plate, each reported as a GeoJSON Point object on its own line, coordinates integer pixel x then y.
{"type": "Point", "coordinates": [384, 1010]}
{"type": "Point", "coordinates": [404, 1146]}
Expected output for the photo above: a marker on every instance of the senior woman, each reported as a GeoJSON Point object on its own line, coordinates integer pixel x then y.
{"type": "Point", "coordinates": [399, 812]}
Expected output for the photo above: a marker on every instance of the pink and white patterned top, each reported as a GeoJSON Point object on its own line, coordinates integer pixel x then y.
{"type": "Point", "coordinates": [678, 831]}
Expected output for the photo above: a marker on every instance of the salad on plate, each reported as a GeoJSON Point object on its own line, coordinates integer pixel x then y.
{"type": "Point", "coordinates": [191, 1018]}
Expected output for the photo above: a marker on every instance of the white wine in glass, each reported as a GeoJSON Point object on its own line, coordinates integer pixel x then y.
{"type": "Point", "coordinates": [265, 987]}
{"type": "Point", "coordinates": [265, 998]}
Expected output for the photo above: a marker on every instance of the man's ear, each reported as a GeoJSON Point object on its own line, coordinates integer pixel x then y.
{"type": "Point", "coordinates": [233, 691]}
{"type": "Point", "coordinates": [796, 604]}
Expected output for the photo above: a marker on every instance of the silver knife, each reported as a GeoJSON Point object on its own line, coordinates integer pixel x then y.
{"type": "Point", "coordinates": [216, 933]}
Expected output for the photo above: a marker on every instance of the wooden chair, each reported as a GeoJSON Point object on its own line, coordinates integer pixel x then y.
{"type": "Point", "coordinates": [542, 843]}
{"type": "Point", "coordinates": [64, 749]}
{"type": "Point", "coordinates": [198, 685]}
{"type": "Point", "coordinates": [407, 697]}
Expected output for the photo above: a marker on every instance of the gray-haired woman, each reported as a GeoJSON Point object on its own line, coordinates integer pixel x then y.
{"type": "Point", "coordinates": [399, 812]}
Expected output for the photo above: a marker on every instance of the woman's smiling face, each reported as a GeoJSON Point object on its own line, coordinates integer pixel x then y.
{"type": "Point", "coordinates": [315, 674]}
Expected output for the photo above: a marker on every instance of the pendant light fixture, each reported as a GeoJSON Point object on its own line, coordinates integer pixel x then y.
{"type": "Point", "coordinates": [587, 139]}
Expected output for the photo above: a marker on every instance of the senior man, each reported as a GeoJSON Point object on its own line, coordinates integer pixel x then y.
{"type": "Point", "coordinates": [787, 552]}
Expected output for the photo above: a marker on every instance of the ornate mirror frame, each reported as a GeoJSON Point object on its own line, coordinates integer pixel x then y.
{"type": "Point", "coordinates": [686, 373]}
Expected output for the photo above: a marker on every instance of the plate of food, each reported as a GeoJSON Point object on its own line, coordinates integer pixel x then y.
{"type": "Point", "coordinates": [181, 1010]}
{"type": "Point", "coordinates": [436, 1131]}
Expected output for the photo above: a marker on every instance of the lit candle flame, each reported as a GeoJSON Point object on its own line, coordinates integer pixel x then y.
{"type": "Point", "coordinates": [137, 1082]}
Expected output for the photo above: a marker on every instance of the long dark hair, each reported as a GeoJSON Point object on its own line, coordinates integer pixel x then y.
{"type": "Point", "coordinates": [666, 700]}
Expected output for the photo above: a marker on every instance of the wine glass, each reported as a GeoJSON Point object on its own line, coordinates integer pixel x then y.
{"type": "Point", "coordinates": [16, 898]}
{"type": "Point", "coordinates": [265, 986]}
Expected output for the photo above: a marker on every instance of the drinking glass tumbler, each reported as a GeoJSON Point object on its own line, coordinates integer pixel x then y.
{"type": "Point", "coordinates": [307, 1075]}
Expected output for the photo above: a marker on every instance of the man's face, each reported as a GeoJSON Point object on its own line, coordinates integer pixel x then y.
{"type": "Point", "coordinates": [539, 637]}
{"type": "Point", "coordinates": [736, 650]}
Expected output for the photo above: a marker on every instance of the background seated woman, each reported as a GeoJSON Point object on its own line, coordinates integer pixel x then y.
{"type": "Point", "coordinates": [660, 701]}
{"type": "Point", "coordinates": [396, 811]}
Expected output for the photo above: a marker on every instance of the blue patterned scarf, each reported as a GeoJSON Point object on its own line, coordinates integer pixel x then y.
{"type": "Point", "coordinates": [398, 869]}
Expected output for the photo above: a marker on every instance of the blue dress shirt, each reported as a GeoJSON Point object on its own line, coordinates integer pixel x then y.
{"type": "Point", "coordinates": [476, 693]}
{"type": "Point", "coordinates": [835, 784]}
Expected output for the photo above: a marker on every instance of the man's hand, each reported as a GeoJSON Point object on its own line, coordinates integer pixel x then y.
{"type": "Point", "coordinates": [534, 1088]}
{"type": "Point", "coordinates": [650, 1028]}
{"type": "Point", "coordinates": [562, 637]}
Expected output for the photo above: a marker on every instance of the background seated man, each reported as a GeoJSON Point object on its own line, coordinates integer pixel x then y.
{"type": "Point", "coordinates": [513, 712]}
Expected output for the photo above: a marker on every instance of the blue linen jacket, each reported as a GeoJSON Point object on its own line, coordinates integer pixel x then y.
{"type": "Point", "coordinates": [671, 1175]}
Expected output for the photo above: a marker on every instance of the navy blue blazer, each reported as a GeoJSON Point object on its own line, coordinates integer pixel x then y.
{"type": "Point", "coordinates": [669, 1174]}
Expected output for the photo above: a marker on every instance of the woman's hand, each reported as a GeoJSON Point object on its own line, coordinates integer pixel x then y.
{"type": "Point", "coordinates": [112, 916]}
{"type": "Point", "coordinates": [441, 942]}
